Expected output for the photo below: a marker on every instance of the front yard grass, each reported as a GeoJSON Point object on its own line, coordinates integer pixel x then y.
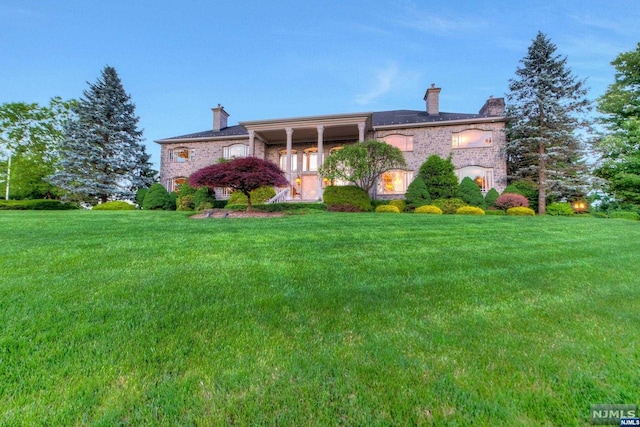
{"type": "Point", "coordinates": [152, 318]}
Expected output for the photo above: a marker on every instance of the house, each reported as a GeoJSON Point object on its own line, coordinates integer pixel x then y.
{"type": "Point", "coordinates": [299, 145]}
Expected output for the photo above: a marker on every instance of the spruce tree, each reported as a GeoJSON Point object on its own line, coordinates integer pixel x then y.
{"type": "Point", "coordinates": [469, 191]}
{"type": "Point", "coordinates": [417, 194]}
{"type": "Point", "coordinates": [102, 156]}
{"type": "Point", "coordinates": [545, 101]}
{"type": "Point", "coordinates": [439, 176]}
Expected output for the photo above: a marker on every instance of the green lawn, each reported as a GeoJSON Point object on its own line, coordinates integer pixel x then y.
{"type": "Point", "coordinates": [152, 318]}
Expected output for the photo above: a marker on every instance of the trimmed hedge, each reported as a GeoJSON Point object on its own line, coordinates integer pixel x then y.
{"type": "Point", "coordinates": [624, 215]}
{"type": "Point", "coordinates": [280, 207]}
{"type": "Point", "coordinates": [428, 209]}
{"type": "Point", "coordinates": [559, 209]}
{"type": "Point", "coordinates": [520, 211]}
{"type": "Point", "coordinates": [116, 205]}
{"type": "Point", "coordinates": [348, 198]}
{"type": "Point", "coordinates": [388, 209]}
{"type": "Point", "coordinates": [37, 205]}
{"type": "Point", "coordinates": [470, 210]}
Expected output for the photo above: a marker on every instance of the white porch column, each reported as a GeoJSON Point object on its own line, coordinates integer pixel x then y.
{"type": "Point", "coordinates": [320, 158]}
{"type": "Point", "coordinates": [252, 143]}
{"type": "Point", "coordinates": [289, 143]}
{"type": "Point", "coordinates": [361, 127]}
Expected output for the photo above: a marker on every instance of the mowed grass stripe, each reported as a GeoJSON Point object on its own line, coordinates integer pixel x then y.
{"type": "Point", "coordinates": [154, 318]}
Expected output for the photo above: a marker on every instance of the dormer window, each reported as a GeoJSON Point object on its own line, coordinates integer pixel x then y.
{"type": "Point", "coordinates": [472, 138]}
{"type": "Point", "coordinates": [180, 155]}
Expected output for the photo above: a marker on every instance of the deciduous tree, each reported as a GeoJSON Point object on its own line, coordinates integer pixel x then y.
{"type": "Point", "coordinates": [620, 148]}
{"type": "Point", "coordinates": [544, 103]}
{"type": "Point", "coordinates": [102, 155]}
{"type": "Point", "coordinates": [243, 174]}
{"type": "Point", "coordinates": [363, 163]}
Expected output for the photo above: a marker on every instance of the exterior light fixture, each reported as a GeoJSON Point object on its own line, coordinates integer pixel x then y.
{"type": "Point", "coordinates": [579, 206]}
{"type": "Point", "coordinates": [298, 180]}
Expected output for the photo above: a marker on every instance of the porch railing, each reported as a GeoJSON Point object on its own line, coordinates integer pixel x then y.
{"type": "Point", "coordinates": [280, 197]}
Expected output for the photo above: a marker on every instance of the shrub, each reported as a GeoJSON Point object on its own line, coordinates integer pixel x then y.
{"type": "Point", "coordinates": [624, 215]}
{"type": "Point", "coordinates": [140, 194]}
{"type": "Point", "coordinates": [158, 198]}
{"type": "Point", "coordinates": [494, 212]}
{"type": "Point", "coordinates": [346, 199]}
{"type": "Point", "coordinates": [377, 202]}
{"type": "Point", "coordinates": [388, 208]}
{"type": "Point", "coordinates": [116, 205]}
{"type": "Point", "coordinates": [449, 206]}
{"type": "Point", "coordinates": [428, 209]}
{"type": "Point", "coordinates": [439, 176]}
{"type": "Point", "coordinates": [526, 188]}
{"type": "Point", "coordinates": [204, 206]}
{"type": "Point", "coordinates": [185, 203]}
{"type": "Point", "coordinates": [417, 194]}
{"type": "Point", "coordinates": [600, 215]}
{"type": "Point", "coordinates": [511, 200]}
{"type": "Point", "coordinates": [400, 204]}
{"type": "Point", "coordinates": [36, 204]}
{"type": "Point", "coordinates": [490, 198]}
{"type": "Point", "coordinates": [560, 209]}
{"type": "Point", "coordinates": [203, 195]}
{"type": "Point", "coordinates": [469, 191]}
{"type": "Point", "coordinates": [469, 210]}
{"type": "Point", "coordinates": [259, 195]}
{"type": "Point", "coordinates": [521, 211]}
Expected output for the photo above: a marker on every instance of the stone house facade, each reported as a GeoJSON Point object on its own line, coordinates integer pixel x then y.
{"type": "Point", "coordinates": [299, 145]}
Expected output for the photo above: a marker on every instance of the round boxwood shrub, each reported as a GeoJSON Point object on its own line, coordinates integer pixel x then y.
{"type": "Point", "coordinates": [469, 210]}
{"type": "Point", "coordinates": [158, 198]}
{"type": "Point", "coordinates": [259, 195]}
{"type": "Point", "coordinates": [511, 200]}
{"type": "Point", "coordinates": [428, 209]}
{"type": "Point", "coordinates": [449, 206]}
{"type": "Point", "coordinates": [348, 198]}
{"type": "Point", "coordinates": [116, 205]}
{"type": "Point", "coordinates": [400, 204]}
{"type": "Point", "coordinates": [388, 208]}
{"type": "Point", "coordinates": [560, 209]}
{"type": "Point", "coordinates": [521, 211]}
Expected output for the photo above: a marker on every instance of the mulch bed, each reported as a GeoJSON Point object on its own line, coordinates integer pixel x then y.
{"type": "Point", "coordinates": [226, 213]}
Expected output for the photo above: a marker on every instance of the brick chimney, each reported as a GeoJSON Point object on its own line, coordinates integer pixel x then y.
{"type": "Point", "coordinates": [219, 118]}
{"type": "Point", "coordinates": [493, 107]}
{"type": "Point", "coordinates": [432, 98]}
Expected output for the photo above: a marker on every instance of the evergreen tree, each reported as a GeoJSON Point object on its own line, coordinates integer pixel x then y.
{"type": "Point", "coordinates": [544, 103]}
{"type": "Point", "coordinates": [490, 198]}
{"type": "Point", "coordinates": [102, 156]}
{"type": "Point", "coordinates": [620, 148]}
{"type": "Point", "coordinates": [439, 176]}
{"type": "Point", "coordinates": [471, 193]}
{"type": "Point", "coordinates": [417, 194]}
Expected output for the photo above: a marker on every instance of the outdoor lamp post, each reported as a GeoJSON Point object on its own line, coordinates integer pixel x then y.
{"type": "Point", "coordinates": [579, 206]}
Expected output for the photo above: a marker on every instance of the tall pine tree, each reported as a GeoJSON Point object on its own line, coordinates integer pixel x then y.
{"type": "Point", "coordinates": [620, 148]}
{"type": "Point", "coordinates": [102, 156]}
{"type": "Point", "coordinates": [545, 103]}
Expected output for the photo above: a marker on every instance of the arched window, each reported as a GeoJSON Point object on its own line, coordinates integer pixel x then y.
{"type": "Point", "coordinates": [394, 181]}
{"type": "Point", "coordinates": [177, 182]}
{"type": "Point", "coordinates": [294, 160]}
{"type": "Point", "coordinates": [480, 175]}
{"type": "Point", "coordinates": [403, 142]}
{"type": "Point", "coordinates": [310, 160]}
{"type": "Point", "coordinates": [234, 151]}
{"type": "Point", "coordinates": [472, 138]}
{"type": "Point", "coordinates": [180, 155]}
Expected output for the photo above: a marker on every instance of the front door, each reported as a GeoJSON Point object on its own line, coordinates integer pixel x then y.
{"type": "Point", "coordinates": [310, 187]}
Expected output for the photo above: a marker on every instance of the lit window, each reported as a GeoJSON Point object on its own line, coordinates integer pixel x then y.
{"type": "Point", "coordinates": [481, 176]}
{"type": "Point", "coordinates": [234, 151]}
{"type": "Point", "coordinates": [472, 138]}
{"type": "Point", "coordinates": [403, 142]}
{"type": "Point", "coordinates": [176, 183]}
{"type": "Point", "coordinates": [180, 155]}
{"type": "Point", "coordinates": [394, 182]}
{"type": "Point", "coordinates": [283, 160]}
{"type": "Point", "coordinates": [310, 160]}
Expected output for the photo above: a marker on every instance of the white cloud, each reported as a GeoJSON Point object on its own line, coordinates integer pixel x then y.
{"type": "Point", "coordinates": [439, 24]}
{"type": "Point", "coordinates": [384, 81]}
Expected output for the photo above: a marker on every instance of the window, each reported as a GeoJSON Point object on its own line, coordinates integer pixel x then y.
{"type": "Point", "coordinates": [394, 182]}
{"type": "Point", "coordinates": [180, 155]}
{"type": "Point", "coordinates": [294, 160]}
{"type": "Point", "coordinates": [403, 142]}
{"type": "Point", "coordinates": [481, 176]}
{"type": "Point", "coordinates": [223, 193]}
{"type": "Point", "coordinates": [310, 160]}
{"type": "Point", "coordinates": [472, 138]}
{"type": "Point", "coordinates": [234, 151]}
{"type": "Point", "coordinates": [176, 183]}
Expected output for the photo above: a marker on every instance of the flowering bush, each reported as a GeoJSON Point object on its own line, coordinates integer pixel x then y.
{"type": "Point", "coordinates": [511, 200]}
{"type": "Point", "coordinates": [469, 210]}
{"type": "Point", "coordinates": [520, 211]}
{"type": "Point", "coordinates": [428, 209]}
{"type": "Point", "coordinates": [388, 208]}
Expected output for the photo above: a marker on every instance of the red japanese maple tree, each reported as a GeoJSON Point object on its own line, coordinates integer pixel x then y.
{"type": "Point", "coordinates": [244, 174]}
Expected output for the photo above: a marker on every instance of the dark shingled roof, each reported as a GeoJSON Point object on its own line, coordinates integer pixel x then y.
{"type": "Point", "coordinates": [380, 118]}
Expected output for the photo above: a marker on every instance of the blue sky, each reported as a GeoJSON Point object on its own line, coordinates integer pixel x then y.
{"type": "Point", "coordinates": [277, 59]}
